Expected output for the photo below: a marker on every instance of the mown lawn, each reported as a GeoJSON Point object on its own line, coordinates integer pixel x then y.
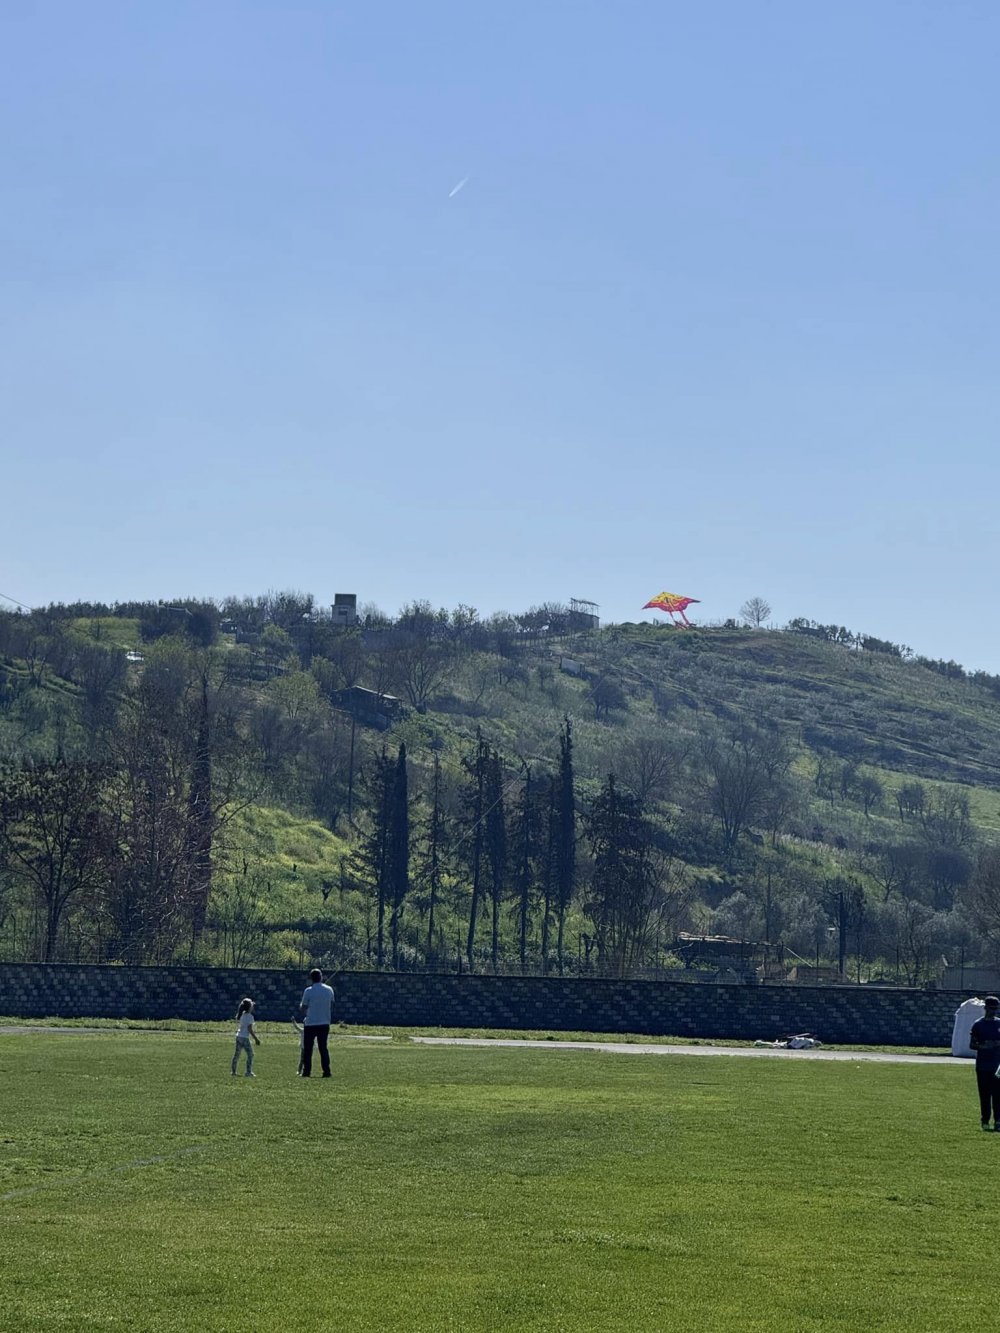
{"type": "Point", "coordinates": [142, 1187]}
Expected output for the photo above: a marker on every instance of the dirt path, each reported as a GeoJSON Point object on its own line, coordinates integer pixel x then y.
{"type": "Point", "coordinates": [650, 1048]}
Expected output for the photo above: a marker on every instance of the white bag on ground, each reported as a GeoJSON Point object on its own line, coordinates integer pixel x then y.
{"type": "Point", "coordinates": [965, 1015]}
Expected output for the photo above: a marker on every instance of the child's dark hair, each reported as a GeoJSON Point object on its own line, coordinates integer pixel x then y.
{"type": "Point", "coordinates": [246, 1006]}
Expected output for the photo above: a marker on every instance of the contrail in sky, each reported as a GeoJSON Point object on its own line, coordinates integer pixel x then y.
{"type": "Point", "coordinates": [461, 183]}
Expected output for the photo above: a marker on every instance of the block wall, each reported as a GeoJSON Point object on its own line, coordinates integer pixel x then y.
{"type": "Point", "coordinates": [855, 1014]}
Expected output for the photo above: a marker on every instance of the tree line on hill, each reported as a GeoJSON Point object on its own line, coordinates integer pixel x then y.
{"type": "Point", "coordinates": [839, 634]}
{"type": "Point", "coordinates": [122, 785]}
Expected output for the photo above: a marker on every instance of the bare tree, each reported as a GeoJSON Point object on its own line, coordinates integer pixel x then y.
{"type": "Point", "coordinates": [421, 666]}
{"type": "Point", "coordinates": [738, 772]}
{"type": "Point", "coordinates": [895, 868]}
{"type": "Point", "coordinates": [381, 666]}
{"type": "Point", "coordinates": [101, 674]}
{"type": "Point", "coordinates": [947, 820]}
{"type": "Point", "coordinates": [917, 929]}
{"type": "Point", "coordinates": [346, 651]}
{"type": "Point", "coordinates": [53, 836]}
{"type": "Point", "coordinates": [178, 780]}
{"type": "Point", "coordinates": [239, 912]}
{"type": "Point", "coordinates": [755, 611]}
{"type": "Point", "coordinates": [646, 762]}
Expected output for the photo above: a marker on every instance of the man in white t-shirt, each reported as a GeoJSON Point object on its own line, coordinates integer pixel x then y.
{"type": "Point", "coordinates": [317, 1008]}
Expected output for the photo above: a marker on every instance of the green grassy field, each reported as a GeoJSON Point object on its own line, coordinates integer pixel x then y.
{"type": "Point", "coordinates": [142, 1187]}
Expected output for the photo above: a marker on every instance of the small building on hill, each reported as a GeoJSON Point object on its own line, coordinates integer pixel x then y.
{"type": "Point", "coordinates": [344, 612]}
{"type": "Point", "coordinates": [583, 614]}
{"type": "Point", "coordinates": [369, 707]}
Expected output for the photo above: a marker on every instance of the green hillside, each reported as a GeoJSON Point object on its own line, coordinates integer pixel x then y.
{"type": "Point", "coordinates": [805, 787]}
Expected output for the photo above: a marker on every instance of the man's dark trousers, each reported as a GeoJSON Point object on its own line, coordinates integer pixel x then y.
{"type": "Point", "coordinates": [318, 1033]}
{"type": "Point", "coordinates": [989, 1085]}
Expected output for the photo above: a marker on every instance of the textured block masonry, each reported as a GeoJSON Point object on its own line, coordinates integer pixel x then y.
{"type": "Point", "coordinates": [856, 1014]}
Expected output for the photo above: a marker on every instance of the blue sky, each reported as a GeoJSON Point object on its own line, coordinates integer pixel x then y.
{"type": "Point", "coordinates": [716, 310]}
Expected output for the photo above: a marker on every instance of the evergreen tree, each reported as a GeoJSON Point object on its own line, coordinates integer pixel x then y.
{"type": "Point", "coordinates": [564, 835]}
{"type": "Point", "coordinates": [624, 884]}
{"type": "Point", "coordinates": [398, 850]}
{"type": "Point", "coordinates": [201, 816]}
{"type": "Point", "coordinates": [432, 866]}
{"type": "Point", "coordinates": [496, 848]}
{"type": "Point", "coordinates": [477, 769]}
{"type": "Point", "coordinates": [372, 859]}
{"type": "Point", "coordinates": [548, 876]}
{"type": "Point", "coordinates": [526, 851]}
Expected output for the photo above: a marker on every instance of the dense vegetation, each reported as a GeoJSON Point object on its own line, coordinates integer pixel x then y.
{"type": "Point", "coordinates": [246, 783]}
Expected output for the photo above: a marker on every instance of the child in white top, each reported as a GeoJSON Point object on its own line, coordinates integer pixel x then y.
{"type": "Point", "coordinates": [244, 1034]}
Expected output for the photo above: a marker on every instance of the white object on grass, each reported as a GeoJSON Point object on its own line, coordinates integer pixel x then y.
{"type": "Point", "coordinates": [965, 1015]}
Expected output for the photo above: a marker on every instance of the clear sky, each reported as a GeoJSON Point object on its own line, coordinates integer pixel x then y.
{"type": "Point", "coordinates": [716, 310]}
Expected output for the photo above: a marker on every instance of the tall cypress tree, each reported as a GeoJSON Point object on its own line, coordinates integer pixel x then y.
{"type": "Point", "coordinates": [548, 873]}
{"type": "Point", "coordinates": [475, 807]}
{"type": "Point", "coordinates": [433, 860]}
{"type": "Point", "coordinates": [496, 848]}
{"type": "Point", "coordinates": [525, 855]}
{"type": "Point", "coordinates": [372, 858]}
{"type": "Point", "coordinates": [201, 818]}
{"type": "Point", "coordinates": [398, 850]}
{"type": "Point", "coordinates": [564, 834]}
{"type": "Point", "coordinates": [610, 826]}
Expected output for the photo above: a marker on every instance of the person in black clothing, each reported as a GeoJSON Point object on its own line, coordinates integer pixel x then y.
{"type": "Point", "coordinates": [985, 1041]}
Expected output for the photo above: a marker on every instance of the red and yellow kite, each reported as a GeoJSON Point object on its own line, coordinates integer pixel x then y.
{"type": "Point", "coordinates": [673, 604]}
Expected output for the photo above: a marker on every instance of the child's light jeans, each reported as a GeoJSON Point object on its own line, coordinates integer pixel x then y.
{"type": "Point", "coordinates": [244, 1044]}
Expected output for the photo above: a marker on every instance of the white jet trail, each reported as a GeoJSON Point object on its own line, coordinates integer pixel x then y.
{"type": "Point", "coordinates": [459, 186]}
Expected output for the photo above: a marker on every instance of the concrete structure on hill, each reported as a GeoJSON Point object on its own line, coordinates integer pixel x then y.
{"type": "Point", "coordinates": [344, 612]}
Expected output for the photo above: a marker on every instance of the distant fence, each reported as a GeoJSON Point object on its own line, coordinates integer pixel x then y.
{"type": "Point", "coordinates": [858, 1014]}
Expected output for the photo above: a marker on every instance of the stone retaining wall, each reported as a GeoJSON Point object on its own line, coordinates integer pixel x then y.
{"type": "Point", "coordinates": [857, 1014]}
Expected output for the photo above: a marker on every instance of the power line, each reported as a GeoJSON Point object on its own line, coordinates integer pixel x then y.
{"type": "Point", "coordinates": [15, 601]}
